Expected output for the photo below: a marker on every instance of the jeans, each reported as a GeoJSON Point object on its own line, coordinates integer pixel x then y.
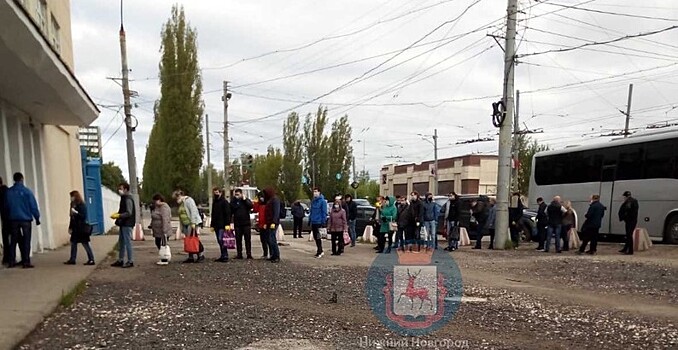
{"type": "Point", "coordinates": [452, 243]}
{"type": "Point", "coordinates": [125, 244]}
{"type": "Point", "coordinates": [399, 237]}
{"type": "Point", "coordinates": [589, 235]}
{"type": "Point", "coordinates": [21, 235]}
{"type": "Point", "coordinates": [351, 231]}
{"type": "Point", "coordinates": [298, 224]}
{"type": "Point", "coordinates": [337, 243]}
{"type": "Point", "coordinates": [630, 227]}
{"type": "Point", "coordinates": [432, 235]}
{"type": "Point", "coordinates": [74, 251]}
{"type": "Point", "coordinates": [186, 229]}
{"type": "Point", "coordinates": [315, 229]}
{"type": "Point", "coordinates": [550, 230]}
{"type": "Point", "coordinates": [220, 240]}
{"type": "Point", "coordinates": [265, 241]}
{"type": "Point", "coordinates": [273, 243]}
{"type": "Point", "coordinates": [240, 233]}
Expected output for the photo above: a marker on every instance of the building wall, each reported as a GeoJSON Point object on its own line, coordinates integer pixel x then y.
{"type": "Point", "coordinates": [59, 10]}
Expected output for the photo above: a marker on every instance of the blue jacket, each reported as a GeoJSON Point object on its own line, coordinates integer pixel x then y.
{"type": "Point", "coordinates": [318, 213]}
{"type": "Point", "coordinates": [21, 204]}
{"type": "Point", "coordinates": [429, 211]}
{"type": "Point", "coordinates": [594, 216]}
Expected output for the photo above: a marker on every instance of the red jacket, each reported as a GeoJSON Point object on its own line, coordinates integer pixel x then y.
{"type": "Point", "coordinates": [261, 210]}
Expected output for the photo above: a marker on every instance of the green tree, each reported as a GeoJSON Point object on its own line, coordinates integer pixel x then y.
{"type": "Point", "coordinates": [267, 168]}
{"type": "Point", "coordinates": [217, 181]}
{"type": "Point", "coordinates": [234, 175]}
{"type": "Point", "coordinates": [111, 176]}
{"type": "Point", "coordinates": [368, 189]}
{"type": "Point", "coordinates": [175, 149]}
{"type": "Point", "coordinates": [291, 170]}
{"type": "Point", "coordinates": [526, 147]}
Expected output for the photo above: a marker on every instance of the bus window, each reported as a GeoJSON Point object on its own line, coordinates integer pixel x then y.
{"type": "Point", "coordinates": [630, 165]}
{"type": "Point", "coordinates": [660, 160]}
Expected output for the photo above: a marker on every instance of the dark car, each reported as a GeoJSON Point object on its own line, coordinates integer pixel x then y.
{"type": "Point", "coordinates": [365, 213]}
{"type": "Point", "coordinates": [466, 220]}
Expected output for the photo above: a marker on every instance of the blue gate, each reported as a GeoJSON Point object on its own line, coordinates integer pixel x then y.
{"type": "Point", "coordinates": [91, 178]}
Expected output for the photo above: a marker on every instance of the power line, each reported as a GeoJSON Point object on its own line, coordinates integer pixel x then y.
{"type": "Point", "coordinates": [611, 13]}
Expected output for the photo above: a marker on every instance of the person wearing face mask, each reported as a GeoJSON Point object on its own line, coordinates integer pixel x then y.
{"type": "Point", "coordinates": [318, 218]}
{"type": "Point", "coordinates": [190, 219]}
{"type": "Point", "coordinates": [352, 216]}
{"type": "Point", "coordinates": [221, 221]}
{"type": "Point", "coordinates": [260, 209]}
{"type": "Point", "coordinates": [274, 207]}
{"type": "Point", "coordinates": [402, 207]}
{"type": "Point", "coordinates": [125, 218]}
{"type": "Point", "coordinates": [452, 220]}
{"type": "Point", "coordinates": [389, 214]}
{"type": "Point", "coordinates": [80, 230]}
{"type": "Point", "coordinates": [414, 220]}
{"type": "Point", "coordinates": [429, 214]}
{"type": "Point", "coordinates": [241, 208]}
{"type": "Point", "coordinates": [336, 225]}
{"type": "Point", "coordinates": [161, 220]}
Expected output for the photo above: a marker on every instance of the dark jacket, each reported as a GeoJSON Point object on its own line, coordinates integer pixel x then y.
{"type": "Point", "coordinates": [127, 212]}
{"type": "Point", "coordinates": [414, 214]}
{"type": "Point", "coordinates": [481, 213]}
{"type": "Point", "coordinates": [297, 210]}
{"type": "Point", "coordinates": [555, 214]}
{"type": "Point", "coordinates": [4, 210]}
{"type": "Point", "coordinates": [21, 204]}
{"type": "Point", "coordinates": [80, 231]}
{"type": "Point", "coordinates": [272, 211]}
{"type": "Point", "coordinates": [594, 216]}
{"type": "Point", "coordinates": [429, 210]}
{"type": "Point", "coordinates": [403, 219]}
{"type": "Point", "coordinates": [241, 209]}
{"type": "Point", "coordinates": [221, 213]}
{"type": "Point", "coordinates": [516, 213]}
{"type": "Point", "coordinates": [542, 217]}
{"type": "Point", "coordinates": [352, 213]}
{"type": "Point", "coordinates": [629, 210]}
{"type": "Point", "coordinates": [453, 211]}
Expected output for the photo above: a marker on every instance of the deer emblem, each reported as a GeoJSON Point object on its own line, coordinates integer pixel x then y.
{"type": "Point", "coordinates": [415, 293]}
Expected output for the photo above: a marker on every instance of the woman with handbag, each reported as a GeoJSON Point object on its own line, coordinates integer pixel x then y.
{"type": "Point", "coordinates": [161, 224]}
{"type": "Point", "coordinates": [80, 230]}
{"type": "Point", "coordinates": [190, 219]}
{"type": "Point", "coordinates": [337, 225]}
{"type": "Point", "coordinates": [389, 214]}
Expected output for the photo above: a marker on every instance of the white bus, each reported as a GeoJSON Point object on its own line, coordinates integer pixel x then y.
{"type": "Point", "coordinates": [646, 165]}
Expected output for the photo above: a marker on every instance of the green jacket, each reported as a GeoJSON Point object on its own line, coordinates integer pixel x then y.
{"type": "Point", "coordinates": [388, 213]}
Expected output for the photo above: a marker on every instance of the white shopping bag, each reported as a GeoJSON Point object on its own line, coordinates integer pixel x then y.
{"type": "Point", "coordinates": [280, 234]}
{"type": "Point", "coordinates": [463, 237]}
{"type": "Point", "coordinates": [368, 235]}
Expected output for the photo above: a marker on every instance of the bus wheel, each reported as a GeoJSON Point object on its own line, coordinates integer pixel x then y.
{"type": "Point", "coordinates": [671, 231]}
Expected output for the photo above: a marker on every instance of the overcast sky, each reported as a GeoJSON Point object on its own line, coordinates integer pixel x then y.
{"type": "Point", "coordinates": [397, 76]}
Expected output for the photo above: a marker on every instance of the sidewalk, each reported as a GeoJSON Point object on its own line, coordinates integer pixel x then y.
{"type": "Point", "coordinates": [27, 296]}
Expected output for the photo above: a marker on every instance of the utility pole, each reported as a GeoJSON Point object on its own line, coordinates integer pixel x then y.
{"type": "Point", "coordinates": [131, 158]}
{"type": "Point", "coordinates": [504, 166]}
{"type": "Point", "coordinates": [435, 156]}
{"type": "Point", "coordinates": [628, 111]}
{"type": "Point", "coordinates": [209, 163]}
{"type": "Point", "coordinates": [227, 162]}
{"type": "Point", "coordinates": [355, 178]}
{"type": "Point", "coordinates": [514, 145]}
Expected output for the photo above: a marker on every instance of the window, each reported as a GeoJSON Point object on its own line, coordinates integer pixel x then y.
{"type": "Point", "coordinates": [630, 164]}
{"type": "Point", "coordinates": [55, 35]}
{"type": "Point", "coordinates": [41, 14]}
{"type": "Point", "coordinates": [660, 160]}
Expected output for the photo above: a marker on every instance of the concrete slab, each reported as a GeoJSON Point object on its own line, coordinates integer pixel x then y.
{"type": "Point", "coordinates": [29, 295]}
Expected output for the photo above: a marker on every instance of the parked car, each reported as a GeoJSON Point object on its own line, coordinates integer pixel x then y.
{"type": "Point", "coordinates": [288, 222]}
{"type": "Point", "coordinates": [362, 201]}
{"type": "Point", "coordinates": [365, 213]}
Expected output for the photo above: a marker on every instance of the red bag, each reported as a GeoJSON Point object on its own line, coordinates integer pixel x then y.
{"type": "Point", "coordinates": [192, 243]}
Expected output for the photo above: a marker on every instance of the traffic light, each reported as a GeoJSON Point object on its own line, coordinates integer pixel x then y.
{"type": "Point", "coordinates": [248, 162]}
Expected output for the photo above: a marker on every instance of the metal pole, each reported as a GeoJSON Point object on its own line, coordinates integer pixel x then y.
{"type": "Point", "coordinates": [435, 156]}
{"type": "Point", "coordinates": [628, 111]}
{"type": "Point", "coordinates": [504, 166]}
{"type": "Point", "coordinates": [355, 178]}
{"type": "Point", "coordinates": [227, 162]}
{"type": "Point", "coordinates": [209, 162]}
{"type": "Point", "coordinates": [131, 158]}
{"type": "Point", "coordinates": [514, 146]}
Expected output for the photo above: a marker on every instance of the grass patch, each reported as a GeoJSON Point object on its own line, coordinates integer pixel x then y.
{"type": "Point", "coordinates": [508, 245]}
{"type": "Point", "coordinates": [69, 298]}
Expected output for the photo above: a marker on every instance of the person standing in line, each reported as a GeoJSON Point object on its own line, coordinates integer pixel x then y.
{"type": "Point", "coordinates": [568, 224]}
{"type": "Point", "coordinates": [594, 219]}
{"type": "Point", "coordinates": [220, 221]}
{"type": "Point", "coordinates": [337, 224]}
{"type": "Point", "coordinates": [480, 213]}
{"type": "Point", "coordinates": [375, 220]}
{"type": "Point", "coordinates": [413, 230]}
{"type": "Point", "coordinates": [190, 222]}
{"type": "Point", "coordinates": [22, 208]}
{"type": "Point", "coordinates": [628, 213]}
{"type": "Point", "coordinates": [491, 218]}
{"type": "Point", "coordinates": [555, 212]}
{"type": "Point", "coordinates": [80, 230]}
{"type": "Point", "coordinates": [542, 222]}
{"type": "Point", "coordinates": [515, 216]}
{"type": "Point", "coordinates": [5, 228]}
{"type": "Point", "coordinates": [428, 217]}
{"type": "Point", "coordinates": [402, 207]}
{"type": "Point", "coordinates": [260, 208]}
{"type": "Point", "coordinates": [241, 208]}
{"type": "Point", "coordinates": [125, 219]}
{"type": "Point", "coordinates": [318, 218]}
{"type": "Point", "coordinates": [352, 216]}
{"type": "Point", "coordinates": [298, 217]}
{"type": "Point", "coordinates": [452, 221]}
{"type": "Point", "coordinates": [161, 220]}
{"type": "Point", "coordinates": [274, 207]}
{"type": "Point", "coordinates": [389, 214]}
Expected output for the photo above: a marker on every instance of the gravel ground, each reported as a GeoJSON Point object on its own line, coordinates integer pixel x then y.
{"type": "Point", "coordinates": [257, 305]}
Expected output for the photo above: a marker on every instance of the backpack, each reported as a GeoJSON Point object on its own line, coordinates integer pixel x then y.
{"type": "Point", "coordinates": [283, 210]}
